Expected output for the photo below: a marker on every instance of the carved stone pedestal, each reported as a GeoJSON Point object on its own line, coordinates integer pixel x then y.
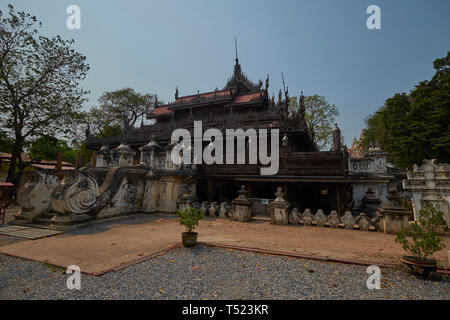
{"type": "Point", "coordinates": [279, 208]}
{"type": "Point", "coordinates": [394, 217]}
{"type": "Point", "coordinates": [242, 206]}
{"type": "Point", "coordinates": [185, 202]}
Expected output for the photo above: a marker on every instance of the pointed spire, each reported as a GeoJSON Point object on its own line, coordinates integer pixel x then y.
{"type": "Point", "coordinates": [235, 47]}
{"type": "Point", "coordinates": [301, 102]}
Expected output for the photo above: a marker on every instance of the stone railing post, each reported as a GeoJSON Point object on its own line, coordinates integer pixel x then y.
{"type": "Point", "coordinates": [103, 157]}
{"type": "Point", "coordinates": [148, 153]}
{"type": "Point", "coordinates": [279, 208]}
{"type": "Point", "coordinates": [242, 206]}
{"type": "Point", "coordinates": [122, 156]}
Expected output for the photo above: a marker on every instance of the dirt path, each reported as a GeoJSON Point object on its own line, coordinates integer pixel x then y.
{"type": "Point", "coordinates": [123, 244]}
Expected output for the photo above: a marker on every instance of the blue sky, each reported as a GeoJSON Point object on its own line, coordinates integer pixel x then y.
{"type": "Point", "coordinates": [322, 47]}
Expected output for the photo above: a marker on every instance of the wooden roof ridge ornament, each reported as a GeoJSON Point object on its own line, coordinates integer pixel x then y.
{"type": "Point", "coordinates": [239, 80]}
{"type": "Point", "coordinates": [301, 106]}
{"type": "Point", "coordinates": [286, 97]}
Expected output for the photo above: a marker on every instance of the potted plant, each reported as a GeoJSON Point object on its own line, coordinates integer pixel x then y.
{"type": "Point", "coordinates": [189, 218]}
{"type": "Point", "coordinates": [425, 240]}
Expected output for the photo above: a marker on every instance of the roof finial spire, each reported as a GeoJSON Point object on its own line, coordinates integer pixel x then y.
{"type": "Point", "coordinates": [235, 47]}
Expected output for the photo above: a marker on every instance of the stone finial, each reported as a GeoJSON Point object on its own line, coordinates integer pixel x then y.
{"type": "Point", "coordinates": [348, 220]}
{"type": "Point", "coordinates": [285, 141]}
{"type": "Point", "coordinates": [319, 218]}
{"type": "Point", "coordinates": [279, 195]}
{"type": "Point", "coordinates": [333, 219]}
{"type": "Point", "coordinates": [212, 210]}
{"type": "Point", "coordinates": [307, 217]}
{"type": "Point", "coordinates": [223, 210]}
{"type": "Point", "coordinates": [364, 223]}
{"type": "Point", "coordinates": [294, 216]}
{"type": "Point", "coordinates": [336, 143]}
{"type": "Point", "coordinates": [151, 145]}
{"type": "Point", "coordinates": [243, 192]}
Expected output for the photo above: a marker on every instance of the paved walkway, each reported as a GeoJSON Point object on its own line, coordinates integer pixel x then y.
{"type": "Point", "coordinates": [109, 245]}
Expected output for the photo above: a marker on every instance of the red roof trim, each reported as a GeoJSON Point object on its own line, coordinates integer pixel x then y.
{"type": "Point", "coordinates": [163, 110]}
{"type": "Point", "coordinates": [205, 95]}
{"type": "Point", "coordinates": [247, 97]}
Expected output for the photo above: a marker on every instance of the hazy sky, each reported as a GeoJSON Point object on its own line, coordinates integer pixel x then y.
{"type": "Point", "coordinates": [322, 47]}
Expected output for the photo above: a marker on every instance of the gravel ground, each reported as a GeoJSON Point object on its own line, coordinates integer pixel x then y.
{"type": "Point", "coordinates": [213, 273]}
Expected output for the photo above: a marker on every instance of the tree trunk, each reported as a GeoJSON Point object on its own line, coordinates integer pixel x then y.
{"type": "Point", "coordinates": [12, 166]}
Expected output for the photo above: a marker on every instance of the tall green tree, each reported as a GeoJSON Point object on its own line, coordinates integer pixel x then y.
{"type": "Point", "coordinates": [320, 117]}
{"type": "Point", "coordinates": [415, 127]}
{"type": "Point", "coordinates": [40, 83]}
{"type": "Point", "coordinates": [117, 109]}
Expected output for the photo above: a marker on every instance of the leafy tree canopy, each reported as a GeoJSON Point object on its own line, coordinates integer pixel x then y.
{"type": "Point", "coordinates": [320, 117]}
{"type": "Point", "coordinates": [117, 109]}
{"type": "Point", "coordinates": [415, 127]}
{"type": "Point", "coordinates": [47, 148]}
{"type": "Point", "coordinates": [40, 80]}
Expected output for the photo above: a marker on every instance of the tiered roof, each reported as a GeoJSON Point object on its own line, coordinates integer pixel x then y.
{"type": "Point", "coordinates": [239, 90]}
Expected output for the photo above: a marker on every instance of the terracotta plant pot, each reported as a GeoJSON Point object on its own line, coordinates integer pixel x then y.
{"type": "Point", "coordinates": [189, 239]}
{"type": "Point", "coordinates": [420, 268]}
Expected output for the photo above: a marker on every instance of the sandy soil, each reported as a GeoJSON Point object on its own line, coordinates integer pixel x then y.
{"type": "Point", "coordinates": [121, 244]}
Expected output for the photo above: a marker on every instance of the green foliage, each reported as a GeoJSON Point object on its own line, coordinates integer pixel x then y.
{"type": "Point", "coordinates": [40, 83]}
{"type": "Point", "coordinates": [415, 127]}
{"type": "Point", "coordinates": [6, 144]}
{"type": "Point", "coordinates": [117, 109]}
{"type": "Point", "coordinates": [85, 152]}
{"type": "Point", "coordinates": [47, 148]}
{"type": "Point", "coordinates": [424, 233]}
{"type": "Point", "coordinates": [320, 117]}
{"type": "Point", "coordinates": [189, 218]}
{"type": "Point", "coordinates": [375, 130]}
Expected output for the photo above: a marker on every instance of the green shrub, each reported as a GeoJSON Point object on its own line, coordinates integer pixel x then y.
{"type": "Point", "coordinates": [189, 218]}
{"type": "Point", "coordinates": [424, 233]}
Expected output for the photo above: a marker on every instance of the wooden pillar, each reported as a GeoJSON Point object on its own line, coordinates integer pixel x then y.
{"type": "Point", "coordinates": [79, 161]}
{"type": "Point", "coordinates": [58, 166]}
{"type": "Point", "coordinates": [339, 200]}
{"type": "Point", "coordinates": [210, 190]}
